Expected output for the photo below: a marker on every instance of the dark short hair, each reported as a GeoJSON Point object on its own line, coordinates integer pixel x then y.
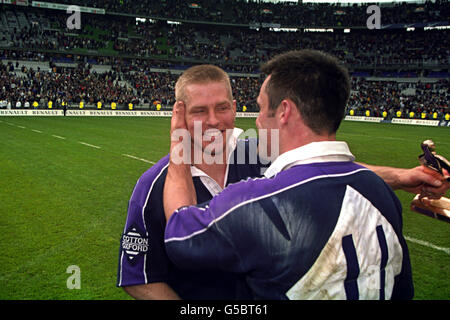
{"type": "Point", "coordinates": [315, 81]}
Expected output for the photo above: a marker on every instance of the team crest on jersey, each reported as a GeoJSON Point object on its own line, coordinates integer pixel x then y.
{"type": "Point", "coordinates": [134, 243]}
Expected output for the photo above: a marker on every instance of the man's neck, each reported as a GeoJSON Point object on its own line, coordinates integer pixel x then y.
{"type": "Point", "coordinates": [215, 171]}
{"type": "Point", "coordinates": [291, 141]}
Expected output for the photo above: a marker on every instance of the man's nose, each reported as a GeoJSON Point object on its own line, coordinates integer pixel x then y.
{"type": "Point", "coordinates": [257, 122]}
{"type": "Point", "coordinates": [212, 120]}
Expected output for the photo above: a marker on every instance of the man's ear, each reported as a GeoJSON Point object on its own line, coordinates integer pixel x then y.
{"type": "Point", "coordinates": [285, 111]}
{"type": "Point", "coordinates": [234, 106]}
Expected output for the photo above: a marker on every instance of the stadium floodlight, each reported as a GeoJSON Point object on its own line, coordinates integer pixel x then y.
{"type": "Point", "coordinates": [436, 28]}
{"type": "Point", "coordinates": [318, 30]}
{"type": "Point", "coordinates": [354, 1]}
{"type": "Point", "coordinates": [140, 20]}
{"type": "Point", "coordinates": [284, 29]}
{"type": "Point", "coordinates": [347, 2]}
{"type": "Point", "coordinates": [144, 20]}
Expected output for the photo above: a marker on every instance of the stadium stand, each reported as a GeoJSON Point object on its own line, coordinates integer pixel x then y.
{"type": "Point", "coordinates": [118, 57]}
{"type": "Point", "coordinates": [285, 14]}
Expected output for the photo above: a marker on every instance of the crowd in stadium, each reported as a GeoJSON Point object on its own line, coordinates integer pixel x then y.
{"type": "Point", "coordinates": [80, 84]}
{"type": "Point", "coordinates": [391, 96]}
{"type": "Point", "coordinates": [57, 84]}
{"type": "Point", "coordinates": [243, 48]}
{"type": "Point", "coordinates": [73, 85]}
{"type": "Point", "coordinates": [245, 12]}
{"type": "Point", "coordinates": [133, 48]}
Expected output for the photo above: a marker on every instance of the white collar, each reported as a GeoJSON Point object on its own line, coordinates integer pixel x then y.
{"type": "Point", "coordinates": [211, 184]}
{"type": "Point", "coordinates": [324, 151]}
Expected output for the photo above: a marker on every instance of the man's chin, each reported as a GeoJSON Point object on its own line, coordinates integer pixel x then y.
{"type": "Point", "coordinates": [213, 150]}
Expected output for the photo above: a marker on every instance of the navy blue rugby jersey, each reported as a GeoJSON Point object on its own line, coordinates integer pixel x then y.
{"type": "Point", "coordinates": [142, 257]}
{"type": "Point", "coordinates": [330, 230]}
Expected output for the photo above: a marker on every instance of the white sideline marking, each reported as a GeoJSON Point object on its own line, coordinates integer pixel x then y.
{"type": "Point", "coordinates": [427, 244]}
{"type": "Point", "coordinates": [136, 158]}
{"type": "Point", "coordinates": [89, 145]}
{"type": "Point", "coordinates": [380, 137]}
{"type": "Point", "coordinates": [36, 131]}
{"type": "Point", "coordinates": [59, 137]}
{"type": "Point", "coordinates": [22, 127]}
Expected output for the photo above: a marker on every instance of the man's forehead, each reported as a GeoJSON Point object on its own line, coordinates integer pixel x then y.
{"type": "Point", "coordinates": [266, 81]}
{"type": "Point", "coordinates": [213, 92]}
{"type": "Point", "coordinates": [203, 84]}
{"type": "Point", "coordinates": [262, 90]}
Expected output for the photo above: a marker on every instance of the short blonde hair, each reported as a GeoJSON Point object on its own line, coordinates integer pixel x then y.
{"type": "Point", "coordinates": [201, 74]}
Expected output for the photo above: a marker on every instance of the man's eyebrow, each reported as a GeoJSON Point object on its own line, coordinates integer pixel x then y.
{"type": "Point", "coordinates": [221, 103]}
{"type": "Point", "coordinates": [198, 107]}
{"type": "Point", "coordinates": [228, 103]}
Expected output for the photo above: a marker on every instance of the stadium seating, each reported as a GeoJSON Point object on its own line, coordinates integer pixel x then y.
{"type": "Point", "coordinates": [115, 57]}
{"type": "Point", "coordinates": [285, 14]}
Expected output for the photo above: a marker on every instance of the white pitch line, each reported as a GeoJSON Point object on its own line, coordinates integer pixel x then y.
{"type": "Point", "coordinates": [427, 244]}
{"type": "Point", "coordinates": [385, 138]}
{"type": "Point", "coordinates": [36, 130]}
{"type": "Point", "coordinates": [89, 145]}
{"type": "Point", "coordinates": [136, 158]}
{"type": "Point", "coordinates": [59, 137]}
{"type": "Point", "coordinates": [22, 127]}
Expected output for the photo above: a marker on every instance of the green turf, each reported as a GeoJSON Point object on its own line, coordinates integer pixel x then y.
{"type": "Point", "coordinates": [64, 203]}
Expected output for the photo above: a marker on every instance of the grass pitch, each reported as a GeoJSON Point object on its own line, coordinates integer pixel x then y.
{"type": "Point", "coordinates": [65, 185]}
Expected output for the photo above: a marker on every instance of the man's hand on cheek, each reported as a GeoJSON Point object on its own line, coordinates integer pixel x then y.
{"type": "Point", "coordinates": [178, 116]}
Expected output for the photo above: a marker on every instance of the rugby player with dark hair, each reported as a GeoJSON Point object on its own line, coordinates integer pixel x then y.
{"type": "Point", "coordinates": [145, 271]}
{"type": "Point", "coordinates": [317, 225]}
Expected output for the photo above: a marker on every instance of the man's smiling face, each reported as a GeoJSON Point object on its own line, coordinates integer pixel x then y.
{"type": "Point", "coordinates": [211, 104]}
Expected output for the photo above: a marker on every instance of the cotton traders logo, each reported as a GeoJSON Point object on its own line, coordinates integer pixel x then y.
{"type": "Point", "coordinates": [134, 243]}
